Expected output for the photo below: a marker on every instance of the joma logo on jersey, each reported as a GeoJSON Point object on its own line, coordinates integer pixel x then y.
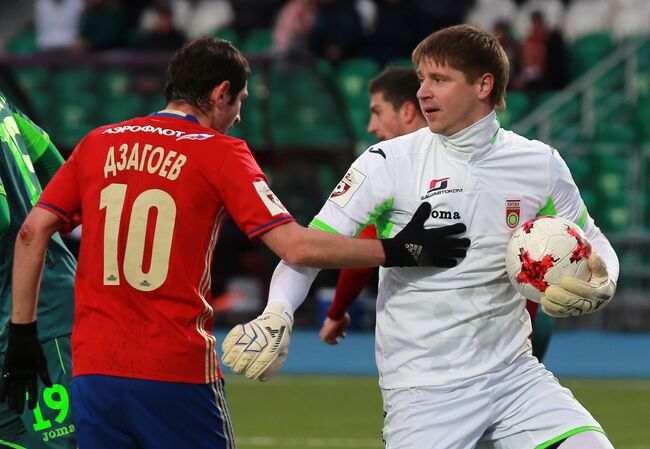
{"type": "Point", "coordinates": [445, 215]}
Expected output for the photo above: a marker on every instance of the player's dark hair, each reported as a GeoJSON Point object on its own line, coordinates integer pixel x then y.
{"type": "Point", "coordinates": [201, 65]}
{"type": "Point", "coordinates": [471, 50]}
{"type": "Point", "coordinates": [398, 85]}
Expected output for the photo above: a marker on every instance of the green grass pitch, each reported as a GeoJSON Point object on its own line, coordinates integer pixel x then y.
{"type": "Point", "coordinates": [304, 412]}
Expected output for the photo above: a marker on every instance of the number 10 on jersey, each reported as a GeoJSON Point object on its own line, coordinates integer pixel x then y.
{"type": "Point", "coordinates": [112, 199]}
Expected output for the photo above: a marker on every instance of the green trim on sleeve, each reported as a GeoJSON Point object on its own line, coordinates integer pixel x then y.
{"type": "Point", "coordinates": [5, 217]}
{"type": "Point", "coordinates": [48, 164]}
{"type": "Point", "coordinates": [8, 132]}
{"type": "Point", "coordinates": [384, 225]}
{"type": "Point", "coordinates": [36, 140]}
{"type": "Point", "coordinates": [548, 209]}
{"type": "Point", "coordinates": [583, 217]}
{"type": "Point", "coordinates": [4, 443]}
{"type": "Point", "coordinates": [378, 218]}
{"type": "Point", "coordinates": [568, 434]}
{"type": "Point", "coordinates": [3, 192]}
{"type": "Point", "coordinates": [317, 224]}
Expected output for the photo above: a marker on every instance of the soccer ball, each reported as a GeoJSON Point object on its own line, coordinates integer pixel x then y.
{"type": "Point", "coordinates": [544, 250]}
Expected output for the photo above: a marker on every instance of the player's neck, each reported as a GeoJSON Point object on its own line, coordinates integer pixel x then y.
{"type": "Point", "coordinates": [186, 109]}
{"type": "Point", "coordinates": [476, 136]}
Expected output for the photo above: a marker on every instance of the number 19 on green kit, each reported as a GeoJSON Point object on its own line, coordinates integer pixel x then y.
{"type": "Point", "coordinates": [55, 398]}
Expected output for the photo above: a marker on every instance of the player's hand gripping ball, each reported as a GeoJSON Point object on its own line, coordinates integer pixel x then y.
{"type": "Point", "coordinates": [550, 261]}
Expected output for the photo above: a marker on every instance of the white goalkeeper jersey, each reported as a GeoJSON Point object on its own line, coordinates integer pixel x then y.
{"type": "Point", "coordinates": [440, 326]}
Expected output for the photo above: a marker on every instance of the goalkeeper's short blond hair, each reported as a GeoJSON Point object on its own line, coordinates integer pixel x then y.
{"type": "Point", "coordinates": [471, 50]}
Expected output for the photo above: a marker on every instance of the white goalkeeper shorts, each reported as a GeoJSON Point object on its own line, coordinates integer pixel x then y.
{"type": "Point", "coordinates": [521, 407]}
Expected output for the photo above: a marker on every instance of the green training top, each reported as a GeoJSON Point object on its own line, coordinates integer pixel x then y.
{"type": "Point", "coordinates": [27, 162]}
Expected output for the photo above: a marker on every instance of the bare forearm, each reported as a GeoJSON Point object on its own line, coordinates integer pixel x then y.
{"type": "Point", "coordinates": [29, 256]}
{"type": "Point", "coordinates": [326, 250]}
{"type": "Point", "coordinates": [309, 247]}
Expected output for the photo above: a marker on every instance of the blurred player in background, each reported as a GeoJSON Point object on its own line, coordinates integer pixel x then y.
{"type": "Point", "coordinates": [395, 111]}
{"type": "Point", "coordinates": [27, 163]}
{"type": "Point", "coordinates": [152, 193]}
{"type": "Point", "coordinates": [452, 348]}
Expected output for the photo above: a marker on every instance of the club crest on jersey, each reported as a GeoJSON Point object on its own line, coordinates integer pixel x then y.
{"type": "Point", "coordinates": [345, 190]}
{"type": "Point", "coordinates": [513, 210]}
{"type": "Point", "coordinates": [199, 136]}
{"type": "Point", "coordinates": [271, 201]}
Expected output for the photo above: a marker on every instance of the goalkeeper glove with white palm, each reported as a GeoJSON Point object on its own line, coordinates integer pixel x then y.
{"type": "Point", "coordinates": [259, 348]}
{"type": "Point", "coordinates": [576, 297]}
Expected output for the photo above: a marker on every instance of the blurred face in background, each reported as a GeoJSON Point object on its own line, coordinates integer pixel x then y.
{"type": "Point", "coordinates": [385, 122]}
{"type": "Point", "coordinates": [451, 103]}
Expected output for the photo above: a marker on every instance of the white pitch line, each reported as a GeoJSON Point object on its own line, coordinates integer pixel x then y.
{"type": "Point", "coordinates": [261, 441]}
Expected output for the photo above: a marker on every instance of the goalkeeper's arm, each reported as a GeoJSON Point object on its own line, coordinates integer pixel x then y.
{"type": "Point", "coordinates": [259, 348]}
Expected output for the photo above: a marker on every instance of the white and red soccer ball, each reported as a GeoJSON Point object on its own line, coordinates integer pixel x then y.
{"type": "Point", "coordinates": [544, 250]}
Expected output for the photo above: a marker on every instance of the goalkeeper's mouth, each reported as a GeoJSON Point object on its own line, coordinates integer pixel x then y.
{"type": "Point", "coordinates": [430, 111]}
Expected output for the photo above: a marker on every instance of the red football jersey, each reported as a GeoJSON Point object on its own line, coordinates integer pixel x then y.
{"type": "Point", "coordinates": [152, 194]}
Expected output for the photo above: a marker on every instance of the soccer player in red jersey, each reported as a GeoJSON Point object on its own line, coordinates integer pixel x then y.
{"type": "Point", "coordinates": [152, 193]}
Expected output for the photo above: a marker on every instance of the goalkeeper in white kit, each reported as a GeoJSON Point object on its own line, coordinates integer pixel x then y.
{"type": "Point", "coordinates": [452, 347]}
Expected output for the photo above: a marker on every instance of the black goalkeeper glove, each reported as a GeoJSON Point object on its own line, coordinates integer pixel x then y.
{"type": "Point", "coordinates": [415, 246]}
{"type": "Point", "coordinates": [24, 361]}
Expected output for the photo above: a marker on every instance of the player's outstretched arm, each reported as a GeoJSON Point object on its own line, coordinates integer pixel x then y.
{"type": "Point", "coordinates": [258, 349]}
{"type": "Point", "coordinates": [412, 246]}
{"type": "Point", "coordinates": [576, 297]}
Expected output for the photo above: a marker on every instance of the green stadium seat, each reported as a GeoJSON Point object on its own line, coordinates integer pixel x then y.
{"type": "Point", "coordinates": [228, 34]}
{"type": "Point", "coordinates": [303, 111]}
{"type": "Point", "coordinates": [589, 198]}
{"type": "Point", "coordinates": [325, 68]}
{"type": "Point", "coordinates": [41, 101]}
{"type": "Point", "coordinates": [155, 103]}
{"type": "Point", "coordinates": [580, 170]}
{"type": "Point", "coordinates": [517, 104]}
{"type": "Point", "coordinates": [359, 117]}
{"type": "Point", "coordinates": [23, 42]}
{"type": "Point", "coordinates": [401, 62]}
{"type": "Point", "coordinates": [69, 82]}
{"type": "Point", "coordinates": [615, 133]}
{"type": "Point", "coordinates": [587, 51]}
{"type": "Point", "coordinates": [612, 177]}
{"type": "Point", "coordinates": [31, 78]}
{"type": "Point", "coordinates": [614, 218]}
{"type": "Point", "coordinates": [119, 109]}
{"type": "Point", "coordinates": [114, 82]}
{"type": "Point", "coordinates": [642, 119]}
{"type": "Point", "coordinates": [73, 119]}
{"type": "Point", "coordinates": [256, 41]}
{"type": "Point", "coordinates": [353, 75]}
